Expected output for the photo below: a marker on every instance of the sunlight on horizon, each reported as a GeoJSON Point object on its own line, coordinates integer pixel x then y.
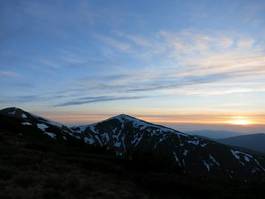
{"type": "Point", "coordinates": [239, 120]}
{"type": "Point", "coordinates": [202, 119]}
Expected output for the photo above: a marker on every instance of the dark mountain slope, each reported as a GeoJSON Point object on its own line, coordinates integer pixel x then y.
{"type": "Point", "coordinates": [152, 146]}
{"type": "Point", "coordinates": [254, 142]}
{"type": "Point", "coordinates": [132, 138]}
{"type": "Point", "coordinates": [48, 170]}
{"type": "Point", "coordinates": [122, 157]}
{"type": "Point", "coordinates": [29, 173]}
{"type": "Point", "coordinates": [17, 118]}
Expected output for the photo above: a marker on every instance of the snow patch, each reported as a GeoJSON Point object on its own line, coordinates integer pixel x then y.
{"type": "Point", "coordinates": [185, 152]}
{"type": "Point", "coordinates": [206, 165]}
{"type": "Point", "coordinates": [177, 159]}
{"type": "Point", "coordinates": [89, 140]}
{"type": "Point", "coordinates": [99, 140]}
{"type": "Point", "coordinates": [26, 123]}
{"type": "Point", "coordinates": [143, 125]}
{"type": "Point", "coordinates": [259, 165]}
{"type": "Point", "coordinates": [194, 142]}
{"type": "Point", "coordinates": [117, 144]}
{"type": "Point", "coordinates": [42, 126]}
{"type": "Point", "coordinates": [136, 140]}
{"type": "Point", "coordinates": [237, 155]}
{"type": "Point", "coordinates": [203, 144]}
{"type": "Point", "coordinates": [106, 137]}
{"type": "Point", "coordinates": [92, 128]}
{"type": "Point", "coordinates": [241, 156]}
{"type": "Point", "coordinates": [214, 160]}
{"type": "Point", "coordinates": [12, 112]}
{"type": "Point", "coordinates": [52, 135]}
{"type": "Point", "coordinates": [24, 116]}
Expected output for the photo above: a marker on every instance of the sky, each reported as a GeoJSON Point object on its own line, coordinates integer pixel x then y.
{"type": "Point", "coordinates": [170, 61]}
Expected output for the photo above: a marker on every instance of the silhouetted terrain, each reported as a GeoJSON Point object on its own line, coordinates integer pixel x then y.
{"type": "Point", "coordinates": [135, 139]}
{"type": "Point", "coordinates": [43, 159]}
{"type": "Point", "coordinates": [254, 142]}
{"type": "Point", "coordinates": [215, 134]}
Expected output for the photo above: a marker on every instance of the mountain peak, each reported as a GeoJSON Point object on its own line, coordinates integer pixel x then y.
{"type": "Point", "coordinates": [14, 111]}
{"type": "Point", "coordinates": [136, 122]}
{"type": "Point", "coordinates": [125, 117]}
{"type": "Point", "coordinates": [12, 108]}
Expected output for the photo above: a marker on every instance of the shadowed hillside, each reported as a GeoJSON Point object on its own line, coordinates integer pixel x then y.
{"type": "Point", "coordinates": [36, 165]}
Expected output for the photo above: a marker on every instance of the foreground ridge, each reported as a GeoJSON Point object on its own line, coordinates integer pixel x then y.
{"type": "Point", "coordinates": [149, 144]}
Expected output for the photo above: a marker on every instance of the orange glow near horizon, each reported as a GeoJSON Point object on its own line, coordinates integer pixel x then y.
{"type": "Point", "coordinates": [233, 120]}
{"type": "Point", "coordinates": [81, 118]}
{"type": "Point", "coordinates": [239, 120]}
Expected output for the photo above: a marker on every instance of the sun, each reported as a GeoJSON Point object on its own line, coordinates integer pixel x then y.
{"type": "Point", "coordinates": [239, 120]}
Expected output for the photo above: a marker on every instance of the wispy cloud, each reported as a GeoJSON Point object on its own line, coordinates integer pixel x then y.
{"type": "Point", "coordinates": [195, 58]}
{"type": "Point", "coordinates": [118, 51]}
{"type": "Point", "coordinates": [9, 74]}
{"type": "Point", "coordinates": [114, 43]}
{"type": "Point", "coordinates": [89, 100]}
{"type": "Point", "coordinates": [196, 63]}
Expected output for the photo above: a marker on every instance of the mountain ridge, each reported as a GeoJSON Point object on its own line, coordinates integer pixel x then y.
{"type": "Point", "coordinates": [154, 145]}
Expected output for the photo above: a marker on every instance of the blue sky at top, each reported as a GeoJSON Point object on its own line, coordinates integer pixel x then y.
{"type": "Point", "coordinates": [137, 57]}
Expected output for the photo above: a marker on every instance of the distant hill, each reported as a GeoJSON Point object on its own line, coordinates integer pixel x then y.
{"type": "Point", "coordinates": [253, 141]}
{"type": "Point", "coordinates": [214, 134]}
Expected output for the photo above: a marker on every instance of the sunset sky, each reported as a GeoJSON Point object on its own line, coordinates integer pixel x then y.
{"type": "Point", "coordinates": [163, 61]}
